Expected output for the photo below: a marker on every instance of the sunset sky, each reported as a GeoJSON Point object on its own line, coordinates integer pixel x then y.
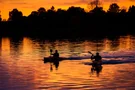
{"type": "Point", "coordinates": [26, 6]}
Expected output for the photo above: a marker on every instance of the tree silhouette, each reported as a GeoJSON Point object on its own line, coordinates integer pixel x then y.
{"type": "Point", "coordinates": [41, 9]}
{"type": "Point", "coordinates": [42, 13]}
{"type": "Point", "coordinates": [98, 10]}
{"type": "Point", "coordinates": [33, 16]}
{"type": "Point", "coordinates": [61, 17]}
{"type": "Point", "coordinates": [93, 4]}
{"type": "Point", "coordinates": [52, 8]}
{"type": "Point", "coordinates": [15, 15]}
{"type": "Point", "coordinates": [0, 17]}
{"type": "Point", "coordinates": [51, 11]}
{"type": "Point", "coordinates": [113, 8]}
{"type": "Point", "coordinates": [123, 11]}
{"type": "Point", "coordinates": [75, 10]}
{"type": "Point", "coordinates": [73, 22]}
{"type": "Point", "coordinates": [131, 19]}
{"type": "Point", "coordinates": [131, 10]}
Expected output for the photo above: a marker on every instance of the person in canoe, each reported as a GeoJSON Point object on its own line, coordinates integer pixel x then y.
{"type": "Point", "coordinates": [96, 63]}
{"type": "Point", "coordinates": [55, 55]}
{"type": "Point", "coordinates": [96, 59]}
{"type": "Point", "coordinates": [56, 59]}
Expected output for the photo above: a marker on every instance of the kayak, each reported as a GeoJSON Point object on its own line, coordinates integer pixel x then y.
{"type": "Point", "coordinates": [96, 63]}
{"type": "Point", "coordinates": [51, 59]}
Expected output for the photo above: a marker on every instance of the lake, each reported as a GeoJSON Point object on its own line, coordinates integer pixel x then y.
{"type": "Point", "coordinates": [22, 66]}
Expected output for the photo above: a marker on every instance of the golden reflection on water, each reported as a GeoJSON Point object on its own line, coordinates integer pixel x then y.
{"type": "Point", "coordinates": [125, 43]}
{"type": "Point", "coordinates": [23, 63]}
{"type": "Point", "coordinates": [66, 47]}
{"type": "Point", "coordinates": [107, 45]}
{"type": "Point", "coordinates": [5, 46]}
{"type": "Point", "coordinates": [27, 45]}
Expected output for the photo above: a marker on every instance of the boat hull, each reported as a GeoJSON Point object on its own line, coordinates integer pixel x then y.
{"type": "Point", "coordinates": [51, 59]}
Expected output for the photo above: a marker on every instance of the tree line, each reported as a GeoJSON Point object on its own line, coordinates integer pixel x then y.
{"type": "Point", "coordinates": [74, 22]}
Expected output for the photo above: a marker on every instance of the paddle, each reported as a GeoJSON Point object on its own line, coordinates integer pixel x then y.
{"type": "Point", "coordinates": [51, 52]}
{"type": "Point", "coordinates": [90, 52]}
{"type": "Point", "coordinates": [51, 68]}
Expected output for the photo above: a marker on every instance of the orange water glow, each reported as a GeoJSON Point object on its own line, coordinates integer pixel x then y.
{"type": "Point", "coordinates": [29, 69]}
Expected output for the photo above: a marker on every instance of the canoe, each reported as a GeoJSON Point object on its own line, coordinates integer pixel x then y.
{"type": "Point", "coordinates": [51, 59]}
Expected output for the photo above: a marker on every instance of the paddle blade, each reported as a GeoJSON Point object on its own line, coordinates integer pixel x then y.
{"type": "Point", "coordinates": [51, 50]}
{"type": "Point", "coordinates": [89, 52]}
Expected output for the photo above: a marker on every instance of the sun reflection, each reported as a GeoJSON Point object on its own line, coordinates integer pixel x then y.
{"type": "Point", "coordinates": [88, 46]}
{"type": "Point", "coordinates": [107, 45]}
{"type": "Point", "coordinates": [5, 46]}
{"type": "Point", "coordinates": [128, 45]}
{"type": "Point", "coordinates": [125, 43]}
{"type": "Point", "coordinates": [27, 45]}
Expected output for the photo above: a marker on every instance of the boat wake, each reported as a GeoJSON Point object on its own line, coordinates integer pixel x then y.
{"type": "Point", "coordinates": [106, 59]}
{"type": "Point", "coordinates": [113, 61]}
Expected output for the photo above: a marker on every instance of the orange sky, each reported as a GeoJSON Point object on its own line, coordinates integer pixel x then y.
{"type": "Point", "coordinates": [26, 6]}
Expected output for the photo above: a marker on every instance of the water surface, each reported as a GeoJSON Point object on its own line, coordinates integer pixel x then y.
{"type": "Point", "coordinates": [22, 66]}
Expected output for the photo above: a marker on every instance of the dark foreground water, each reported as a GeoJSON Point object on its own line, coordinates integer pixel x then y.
{"type": "Point", "coordinates": [22, 66]}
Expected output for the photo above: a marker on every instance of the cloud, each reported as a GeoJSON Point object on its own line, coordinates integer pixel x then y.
{"type": "Point", "coordinates": [18, 3]}
{"type": "Point", "coordinates": [13, 1]}
{"type": "Point", "coordinates": [110, 1]}
{"type": "Point", "coordinates": [132, 0]}
{"type": "Point", "coordinates": [74, 2]}
{"type": "Point", "coordinates": [86, 2]}
{"type": "Point", "coordinates": [1, 1]}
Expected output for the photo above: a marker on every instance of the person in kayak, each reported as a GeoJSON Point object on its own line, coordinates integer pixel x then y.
{"type": "Point", "coordinates": [97, 59]}
{"type": "Point", "coordinates": [56, 54]}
